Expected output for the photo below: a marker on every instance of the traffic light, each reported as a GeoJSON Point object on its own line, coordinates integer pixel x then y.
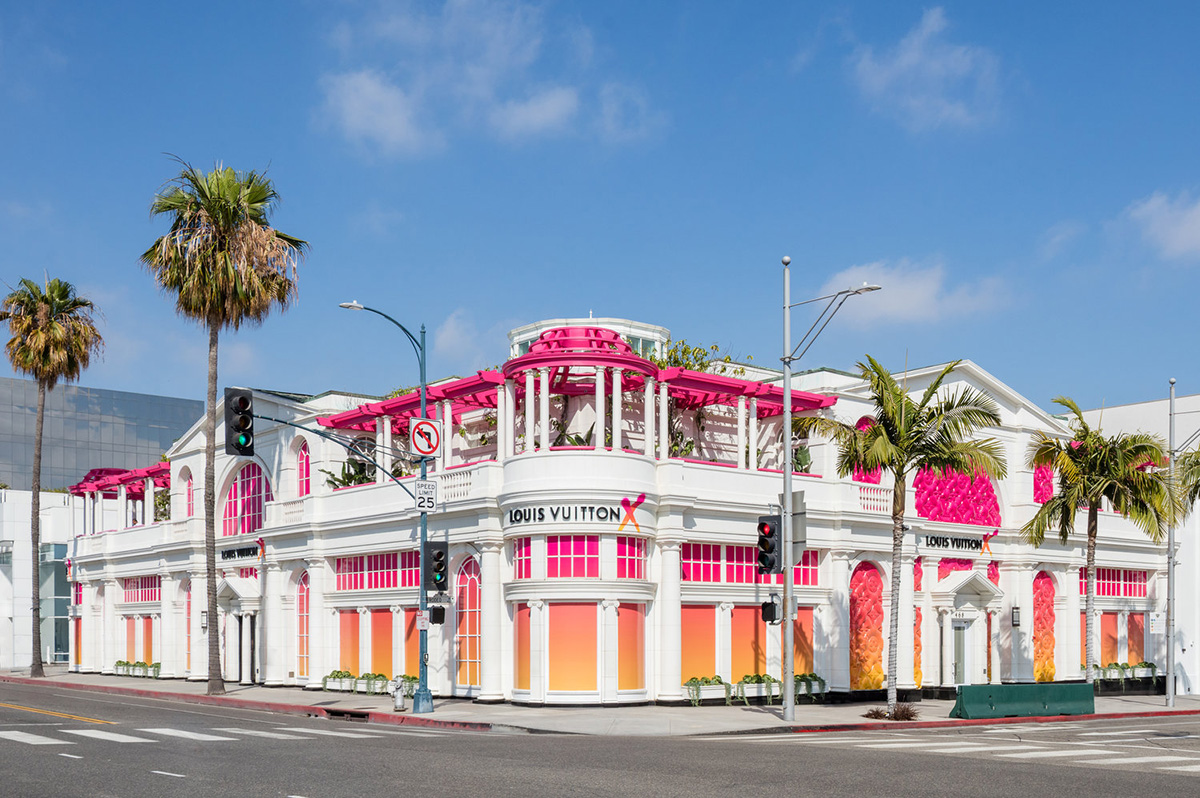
{"type": "Point", "coordinates": [437, 566]}
{"type": "Point", "coordinates": [768, 545]}
{"type": "Point", "coordinates": [772, 613]}
{"type": "Point", "coordinates": [437, 614]}
{"type": "Point", "coordinates": [239, 422]}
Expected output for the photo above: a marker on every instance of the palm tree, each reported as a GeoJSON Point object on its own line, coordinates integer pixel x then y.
{"type": "Point", "coordinates": [1090, 469]}
{"type": "Point", "coordinates": [226, 267]}
{"type": "Point", "coordinates": [53, 338]}
{"type": "Point", "coordinates": [908, 436]}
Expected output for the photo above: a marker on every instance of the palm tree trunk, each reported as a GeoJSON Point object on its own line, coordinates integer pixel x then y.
{"type": "Point", "coordinates": [898, 491]}
{"type": "Point", "coordinates": [1090, 600]}
{"type": "Point", "coordinates": [216, 681]}
{"type": "Point", "coordinates": [35, 534]}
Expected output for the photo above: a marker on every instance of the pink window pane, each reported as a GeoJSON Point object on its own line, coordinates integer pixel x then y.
{"type": "Point", "coordinates": [805, 574]}
{"type": "Point", "coordinates": [303, 471]}
{"type": "Point", "coordinates": [381, 571]}
{"type": "Point", "coordinates": [522, 558]}
{"type": "Point", "coordinates": [243, 512]}
{"type": "Point", "coordinates": [349, 572]}
{"type": "Point", "coordinates": [191, 498]}
{"type": "Point", "coordinates": [248, 573]}
{"type": "Point", "coordinates": [1134, 584]}
{"type": "Point", "coordinates": [631, 558]}
{"type": "Point", "coordinates": [410, 569]}
{"type": "Point", "coordinates": [701, 562]}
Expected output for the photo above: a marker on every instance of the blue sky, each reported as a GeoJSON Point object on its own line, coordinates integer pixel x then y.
{"type": "Point", "coordinates": [1022, 178]}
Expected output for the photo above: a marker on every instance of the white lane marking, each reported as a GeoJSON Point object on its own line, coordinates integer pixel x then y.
{"type": "Point", "coordinates": [1184, 768]}
{"type": "Point", "coordinates": [268, 734]}
{"type": "Point", "coordinates": [1067, 752]}
{"type": "Point", "coordinates": [187, 735]}
{"type": "Point", "coordinates": [331, 733]}
{"type": "Point", "coordinates": [1115, 733]}
{"type": "Point", "coordinates": [112, 737]}
{"type": "Point", "coordinates": [1138, 760]}
{"type": "Point", "coordinates": [955, 749]}
{"type": "Point", "coordinates": [172, 775]}
{"type": "Point", "coordinates": [930, 744]}
{"type": "Point", "coordinates": [71, 756]}
{"type": "Point", "coordinates": [32, 739]}
{"type": "Point", "coordinates": [831, 740]}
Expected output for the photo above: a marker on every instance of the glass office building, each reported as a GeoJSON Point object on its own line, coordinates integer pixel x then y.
{"type": "Point", "coordinates": [85, 428]}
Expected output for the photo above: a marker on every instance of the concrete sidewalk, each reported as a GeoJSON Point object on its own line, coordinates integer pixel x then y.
{"type": "Point", "coordinates": [649, 720]}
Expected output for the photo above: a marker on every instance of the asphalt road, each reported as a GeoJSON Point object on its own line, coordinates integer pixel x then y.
{"type": "Point", "coordinates": [56, 742]}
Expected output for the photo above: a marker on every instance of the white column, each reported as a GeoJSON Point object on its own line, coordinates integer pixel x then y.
{"type": "Point", "coordinates": [617, 410]}
{"type": "Point", "coordinates": [124, 505]}
{"type": "Point", "coordinates": [598, 427]}
{"type": "Point", "coordinates": [1067, 638]}
{"type": "Point", "coordinates": [648, 423]}
{"type": "Point", "coordinates": [108, 623]}
{"type": "Point", "coordinates": [447, 414]}
{"type": "Point", "coordinates": [168, 653]}
{"type": "Point", "coordinates": [544, 407]}
{"type": "Point", "coordinates": [501, 427]}
{"type": "Point", "coordinates": [383, 451]}
{"type": "Point", "coordinates": [530, 398]}
{"type": "Point", "coordinates": [670, 685]}
{"type": "Point", "coordinates": [741, 432]}
{"type": "Point", "coordinates": [148, 502]}
{"type": "Point", "coordinates": [510, 417]}
{"type": "Point", "coordinates": [839, 666]}
{"type": "Point", "coordinates": [380, 475]}
{"type": "Point", "coordinates": [537, 650]}
{"type": "Point", "coordinates": [271, 630]}
{"type": "Point", "coordinates": [246, 654]}
{"type": "Point", "coordinates": [1021, 664]}
{"type": "Point", "coordinates": [490, 621]}
{"type": "Point", "coordinates": [664, 432]}
{"type": "Point", "coordinates": [610, 666]}
{"type": "Point", "coordinates": [364, 640]}
{"type": "Point", "coordinates": [318, 659]}
{"type": "Point", "coordinates": [753, 434]}
{"type": "Point", "coordinates": [724, 629]}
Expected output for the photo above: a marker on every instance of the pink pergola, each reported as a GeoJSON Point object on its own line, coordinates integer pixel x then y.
{"type": "Point", "coordinates": [105, 481]}
{"type": "Point", "coordinates": [574, 359]}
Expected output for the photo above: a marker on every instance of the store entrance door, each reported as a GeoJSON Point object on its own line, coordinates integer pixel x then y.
{"type": "Point", "coordinates": [961, 651]}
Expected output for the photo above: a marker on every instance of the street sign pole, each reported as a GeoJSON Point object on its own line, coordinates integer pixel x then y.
{"type": "Point", "coordinates": [423, 698]}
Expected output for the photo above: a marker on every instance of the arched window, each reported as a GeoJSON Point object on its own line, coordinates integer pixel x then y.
{"type": "Point", "coordinates": [244, 502]}
{"type": "Point", "coordinates": [302, 471]}
{"type": "Point", "coordinates": [467, 601]}
{"type": "Point", "coordinates": [189, 496]}
{"type": "Point", "coordinates": [302, 626]}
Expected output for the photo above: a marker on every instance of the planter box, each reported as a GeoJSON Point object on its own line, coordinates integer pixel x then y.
{"type": "Point", "coordinates": [372, 686]}
{"type": "Point", "coordinates": [121, 670]}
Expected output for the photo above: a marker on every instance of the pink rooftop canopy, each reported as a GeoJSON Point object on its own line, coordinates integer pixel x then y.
{"type": "Point", "coordinates": [107, 480]}
{"type": "Point", "coordinates": [571, 357]}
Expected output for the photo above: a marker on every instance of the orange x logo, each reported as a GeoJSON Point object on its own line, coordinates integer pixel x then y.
{"type": "Point", "coordinates": [629, 507]}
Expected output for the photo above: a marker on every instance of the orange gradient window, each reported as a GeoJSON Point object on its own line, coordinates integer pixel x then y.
{"type": "Point", "coordinates": [698, 640]}
{"type": "Point", "coordinates": [348, 620]}
{"type": "Point", "coordinates": [631, 647]}
{"type": "Point", "coordinates": [573, 646]}
{"type": "Point", "coordinates": [1137, 638]}
{"type": "Point", "coordinates": [802, 640]}
{"type": "Point", "coordinates": [747, 643]}
{"type": "Point", "coordinates": [381, 642]}
{"type": "Point", "coordinates": [521, 647]}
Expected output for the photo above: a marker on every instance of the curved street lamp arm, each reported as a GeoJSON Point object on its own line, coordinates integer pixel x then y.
{"type": "Point", "coordinates": [411, 339]}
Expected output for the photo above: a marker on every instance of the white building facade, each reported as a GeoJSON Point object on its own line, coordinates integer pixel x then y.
{"type": "Point", "coordinates": [600, 512]}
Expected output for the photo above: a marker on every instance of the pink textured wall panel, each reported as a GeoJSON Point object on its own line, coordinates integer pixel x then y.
{"type": "Point", "coordinates": [948, 565]}
{"type": "Point", "coordinates": [1043, 627]}
{"type": "Point", "coordinates": [1043, 484]}
{"type": "Point", "coordinates": [956, 498]}
{"type": "Point", "coordinates": [866, 628]}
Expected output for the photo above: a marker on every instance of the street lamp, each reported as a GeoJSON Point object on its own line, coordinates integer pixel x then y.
{"type": "Point", "coordinates": [836, 300]}
{"type": "Point", "coordinates": [423, 698]}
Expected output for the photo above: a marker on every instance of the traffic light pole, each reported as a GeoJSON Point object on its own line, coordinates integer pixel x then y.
{"type": "Point", "coordinates": [423, 698]}
{"type": "Point", "coordinates": [789, 626]}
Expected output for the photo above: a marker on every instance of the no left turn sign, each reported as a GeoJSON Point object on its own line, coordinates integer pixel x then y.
{"type": "Point", "coordinates": [425, 437]}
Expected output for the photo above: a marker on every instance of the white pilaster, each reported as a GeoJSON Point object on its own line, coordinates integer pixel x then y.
{"type": "Point", "coordinates": [491, 618]}
{"type": "Point", "coordinates": [904, 652]}
{"type": "Point", "coordinates": [272, 624]}
{"type": "Point", "coordinates": [168, 654]}
{"type": "Point", "coordinates": [670, 684]}
{"type": "Point", "coordinates": [839, 667]}
{"type": "Point", "coordinates": [609, 640]}
{"type": "Point", "coordinates": [617, 410]}
{"type": "Point", "coordinates": [318, 621]}
{"type": "Point", "coordinates": [995, 662]}
{"type": "Point", "coordinates": [945, 618]}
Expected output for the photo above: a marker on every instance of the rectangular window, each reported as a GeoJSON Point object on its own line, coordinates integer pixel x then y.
{"type": "Point", "coordinates": [381, 571]}
{"type": "Point", "coordinates": [631, 558]}
{"type": "Point", "coordinates": [741, 566]}
{"type": "Point", "coordinates": [248, 573]}
{"type": "Point", "coordinates": [522, 558]}
{"type": "Point", "coordinates": [348, 640]}
{"type": "Point", "coordinates": [1136, 638]}
{"type": "Point", "coordinates": [575, 556]}
{"type": "Point", "coordinates": [806, 569]}
{"type": "Point", "coordinates": [143, 588]}
{"type": "Point", "coordinates": [701, 562]}
{"type": "Point", "coordinates": [77, 594]}
{"type": "Point", "coordinates": [698, 640]}
{"type": "Point", "coordinates": [747, 642]}
{"type": "Point", "coordinates": [1133, 584]}
{"type": "Point", "coordinates": [304, 484]}
{"type": "Point", "coordinates": [349, 572]}
{"type": "Point", "coordinates": [410, 568]}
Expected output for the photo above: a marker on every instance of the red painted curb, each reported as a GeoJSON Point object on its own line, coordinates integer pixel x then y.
{"type": "Point", "coordinates": [941, 724]}
{"type": "Point", "coordinates": [188, 698]}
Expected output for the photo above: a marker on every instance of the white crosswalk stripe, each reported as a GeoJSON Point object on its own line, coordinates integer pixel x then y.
{"type": "Point", "coordinates": [1183, 768]}
{"type": "Point", "coordinates": [31, 739]}
{"type": "Point", "coordinates": [1075, 752]}
{"type": "Point", "coordinates": [930, 743]}
{"type": "Point", "coordinates": [187, 735]}
{"type": "Point", "coordinates": [1139, 760]}
{"type": "Point", "coordinates": [1116, 733]}
{"type": "Point", "coordinates": [270, 735]}
{"type": "Point", "coordinates": [112, 737]}
{"type": "Point", "coordinates": [332, 733]}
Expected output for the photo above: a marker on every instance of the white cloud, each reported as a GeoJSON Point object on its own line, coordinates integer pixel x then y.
{"type": "Point", "coordinates": [456, 343]}
{"type": "Point", "coordinates": [1058, 237]}
{"type": "Point", "coordinates": [370, 110]}
{"type": "Point", "coordinates": [377, 220]}
{"type": "Point", "coordinates": [1170, 225]}
{"type": "Point", "coordinates": [626, 114]}
{"type": "Point", "coordinates": [913, 292]}
{"type": "Point", "coordinates": [926, 82]}
{"type": "Point", "coordinates": [421, 73]}
{"type": "Point", "coordinates": [545, 112]}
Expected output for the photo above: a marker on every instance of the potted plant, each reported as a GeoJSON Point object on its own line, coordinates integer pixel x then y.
{"type": "Point", "coordinates": [699, 688]}
{"type": "Point", "coordinates": [807, 680]}
{"type": "Point", "coordinates": [373, 683]}
{"type": "Point", "coordinates": [140, 668]}
{"type": "Point", "coordinates": [1145, 670]}
{"type": "Point", "coordinates": [338, 680]}
{"type": "Point", "coordinates": [155, 668]}
{"type": "Point", "coordinates": [121, 667]}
